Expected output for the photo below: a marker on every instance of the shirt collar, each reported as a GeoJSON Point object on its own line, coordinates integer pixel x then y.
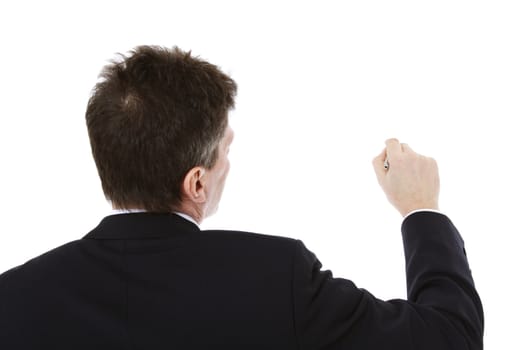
{"type": "Point", "coordinates": [128, 211]}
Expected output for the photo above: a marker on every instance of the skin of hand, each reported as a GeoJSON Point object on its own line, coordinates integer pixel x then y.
{"type": "Point", "coordinates": [411, 181]}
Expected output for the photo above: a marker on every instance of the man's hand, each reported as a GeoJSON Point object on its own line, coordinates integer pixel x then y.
{"type": "Point", "coordinates": [411, 181]}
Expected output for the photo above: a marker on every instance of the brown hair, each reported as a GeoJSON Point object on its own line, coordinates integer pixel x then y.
{"type": "Point", "coordinates": [153, 116]}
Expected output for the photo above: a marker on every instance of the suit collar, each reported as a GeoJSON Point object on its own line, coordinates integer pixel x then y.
{"type": "Point", "coordinates": [141, 226]}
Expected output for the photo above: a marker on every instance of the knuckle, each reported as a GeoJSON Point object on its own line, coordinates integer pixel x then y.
{"type": "Point", "coordinates": [392, 140]}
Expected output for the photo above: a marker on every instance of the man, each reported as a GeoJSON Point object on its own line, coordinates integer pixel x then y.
{"type": "Point", "coordinates": [148, 278]}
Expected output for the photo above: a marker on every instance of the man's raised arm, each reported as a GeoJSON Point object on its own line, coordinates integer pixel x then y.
{"type": "Point", "coordinates": [443, 310]}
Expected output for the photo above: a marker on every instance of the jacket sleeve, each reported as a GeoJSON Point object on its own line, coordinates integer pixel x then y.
{"type": "Point", "coordinates": [443, 310]}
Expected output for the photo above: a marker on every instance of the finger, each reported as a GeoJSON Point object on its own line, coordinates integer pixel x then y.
{"type": "Point", "coordinates": [380, 158]}
{"type": "Point", "coordinates": [379, 162]}
{"type": "Point", "coordinates": [406, 148]}
{"type": "Point", "coordinates": [393, 147]}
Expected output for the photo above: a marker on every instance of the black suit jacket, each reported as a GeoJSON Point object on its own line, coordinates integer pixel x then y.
{"type": "Point", "coordinates": [155, 281]}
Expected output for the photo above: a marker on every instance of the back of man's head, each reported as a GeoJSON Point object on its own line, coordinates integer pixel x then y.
{"type": "Point", "coordinates": [156, 114]}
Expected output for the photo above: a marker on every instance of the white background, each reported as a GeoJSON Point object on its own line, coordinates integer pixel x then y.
{"type": "Point", "coordinates": [321, 86]}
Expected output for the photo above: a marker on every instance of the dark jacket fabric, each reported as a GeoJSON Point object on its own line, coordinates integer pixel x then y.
{"type": "Point", "coordinates": [156, 281]}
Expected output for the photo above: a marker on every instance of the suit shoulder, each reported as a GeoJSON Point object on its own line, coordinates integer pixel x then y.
{"type": "Point", "coordinates": [252, 241]}
{"type": "Point", "coordinates": [250, 236]}
{"type": "Point", "coordinates": [40, 263]}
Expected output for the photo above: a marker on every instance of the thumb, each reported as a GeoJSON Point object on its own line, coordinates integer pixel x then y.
{"type": "Point", "coordinates": [379, 165]}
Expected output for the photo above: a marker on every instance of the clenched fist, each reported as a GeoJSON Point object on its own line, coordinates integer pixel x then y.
{"type": "Point", "coordinates": [411, 181]}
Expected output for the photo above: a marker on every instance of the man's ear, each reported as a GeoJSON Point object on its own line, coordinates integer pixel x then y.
{"type": "Point", "coordinates": [192, 186]}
